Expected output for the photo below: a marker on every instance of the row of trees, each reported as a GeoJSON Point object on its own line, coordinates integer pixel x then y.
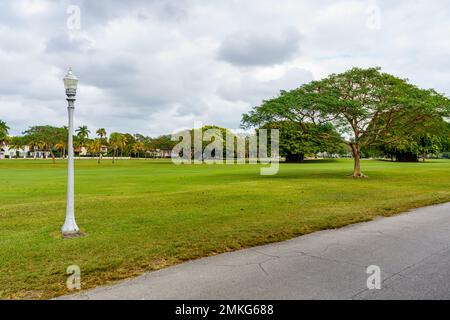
{"type": "Point", "coordinates": [54, 140]}
{"type": "Point", "coordinates": [294, 144]}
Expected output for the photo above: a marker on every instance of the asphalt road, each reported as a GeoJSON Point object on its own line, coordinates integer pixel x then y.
{"type": "Point", "coordinates": [412, 251]}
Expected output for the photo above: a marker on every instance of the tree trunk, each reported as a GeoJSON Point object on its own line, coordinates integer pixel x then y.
{"type": "Point", "coordinates": [356, 151]}
{"type": "Point", "coordinates": [114, 156]}
{"type": "Point", "coordinates": [357, 168]}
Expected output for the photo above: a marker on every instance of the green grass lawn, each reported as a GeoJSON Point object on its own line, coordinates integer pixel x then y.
{"type": "Point", "coordinates": [141, 215]}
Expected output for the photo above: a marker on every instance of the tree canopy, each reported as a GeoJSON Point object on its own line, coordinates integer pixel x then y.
{"type": "Point", "coordinates": [45, 137]}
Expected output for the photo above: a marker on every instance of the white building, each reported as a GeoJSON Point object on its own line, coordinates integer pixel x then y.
{"type": "Point", "coordinates": [83, 151]}
{"type": "Point", "coordinates": [8, 152]}
{"type": "Point", "coordinates": [25, 152]}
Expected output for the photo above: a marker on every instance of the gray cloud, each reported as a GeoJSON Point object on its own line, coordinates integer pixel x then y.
{"type": "Point", "coordinates": [260, 49]}
{"type": "Point", "coordinates": [100, 12]}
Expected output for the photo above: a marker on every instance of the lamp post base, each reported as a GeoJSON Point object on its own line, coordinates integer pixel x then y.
{"type": "Point", "coordinates": [73, 234]}
{"type": "Point", "coordinates": [70, 228]}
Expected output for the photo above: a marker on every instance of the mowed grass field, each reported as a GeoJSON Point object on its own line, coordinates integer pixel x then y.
{"type": "Point", "coordinates": [142, 215]}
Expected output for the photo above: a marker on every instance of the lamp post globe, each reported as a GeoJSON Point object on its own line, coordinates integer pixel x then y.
{"type": "Point", "coordinates": [70, 83]}
{"type": "Point", "coordinates": [70, 227]}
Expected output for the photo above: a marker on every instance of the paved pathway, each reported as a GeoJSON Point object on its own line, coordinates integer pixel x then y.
{"type": "Point", "coordinates": [411, 249]}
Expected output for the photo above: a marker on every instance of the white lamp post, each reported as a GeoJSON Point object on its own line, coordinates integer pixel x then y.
{"type": "Point", "coordinates": [70, 227]}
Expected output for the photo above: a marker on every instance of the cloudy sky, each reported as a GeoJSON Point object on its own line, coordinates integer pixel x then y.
{"type": "Point", "coordinates": [156, 66]}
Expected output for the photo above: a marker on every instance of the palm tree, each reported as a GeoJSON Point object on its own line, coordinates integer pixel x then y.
{"type": "Point", "coordinates": [83, 135]}
{"type": "Point", "coordinates": [63, 143]}
{"type": "Point", "coordinates": [42, 146]}
{"type": "Point", "coordinates": [94, 146]}
{"type": "Point", "coordinates": [137, 147]}
{"type": "Point", "coordinates": [34, 145]}
{"type": "Point", "coordinates": [115, 143]}
{"type": "Point", "coordinates": [123, 143]}
{"type": "Point", "coordinates": [102, 134]}
{"type": "Point", "coordinates": [61, 146]}
{"type": "Point", "coordinates": [83, 132]}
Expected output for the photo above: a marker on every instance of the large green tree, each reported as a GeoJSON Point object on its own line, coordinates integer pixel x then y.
{"type": "Point", "coordinates": [45, 138]}
{"type": "Point", "coordinates": [163, 142]}
{"type": "Point", "coordinates": [364, 105]}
